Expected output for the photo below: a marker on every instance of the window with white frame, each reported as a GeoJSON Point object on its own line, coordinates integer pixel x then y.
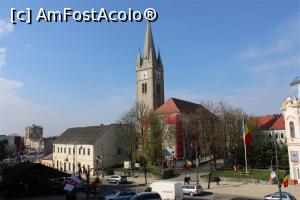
{"type": "Point", "coordinates": [292, 129]}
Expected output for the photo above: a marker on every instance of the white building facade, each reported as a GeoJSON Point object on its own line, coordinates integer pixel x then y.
{"type": "Point", "coordinates": [96, 147]}
{"type": "Point", "coordinates": [291, 111]}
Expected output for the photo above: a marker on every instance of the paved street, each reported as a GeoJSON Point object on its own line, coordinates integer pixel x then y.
{"type": "Point", "coordinates": [225, 191]}
{"type": "Point", "coordinates": [112, 188]}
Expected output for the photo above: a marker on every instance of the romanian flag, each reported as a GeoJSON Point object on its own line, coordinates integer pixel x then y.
{"type": "Point", "coordinates": [247, 137]}
{"type": "Point", "coordinates": [285, 181]}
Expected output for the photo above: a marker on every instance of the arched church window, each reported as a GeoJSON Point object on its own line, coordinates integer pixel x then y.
{"type": "Point", "coordinates": [292, 129]}
{"type": "Point", "coordinates": [281, 135]}
{"type": "Point", "coordinates": [276, 136]}
{"type": "Point", "coordinates": [270, 135]}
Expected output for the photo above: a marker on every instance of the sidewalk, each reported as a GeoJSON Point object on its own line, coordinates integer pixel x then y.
{"type": "Point", "coordinates": [252, 190]}
{"type": "Point", "coordinates": [258, 190]}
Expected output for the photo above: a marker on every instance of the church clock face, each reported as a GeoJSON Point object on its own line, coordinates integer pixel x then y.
{"type": "Point", "coordinates": [144, 75]}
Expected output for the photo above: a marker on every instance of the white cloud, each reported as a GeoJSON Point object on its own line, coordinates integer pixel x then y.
{"type": "Point", "coordinates": [285, 38]}
{"type": "Point", "coordinates": [5, 27]}
{"type": "Point", "coordinates": [275, 63]}
{"type": "Point", "coordinates": [2, 57]}
{"type": "Point", "coordinates": [106, 110]}
{"type": "Point", "coordinates": [28, 46]}
{"type": "Point", "coordinates": [254, 100]}
{"type": "Point", "coordinates": [16, 112]}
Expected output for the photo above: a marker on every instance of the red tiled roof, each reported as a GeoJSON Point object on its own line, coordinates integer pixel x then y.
{"type": "Point", "coordinates": [174, 105]}
{"type": "Point", "coordinates": [278, 124]}
{"type": "Point", "coordinates": [270, 122]}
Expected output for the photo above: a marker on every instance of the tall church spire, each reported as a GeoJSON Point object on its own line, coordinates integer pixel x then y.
{"type": "Point", "coordinates": [149, 49]}
{"type": "Point", "coordinates": [159, 59]}
{"type": "Point", "coordinates": [149, 74]}
{"type": "Point", "coordinates": [139, 59]}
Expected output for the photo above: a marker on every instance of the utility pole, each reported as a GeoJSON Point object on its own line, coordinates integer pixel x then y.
{"type": "Point", "coordinates": [88, 184]}
{"type": "Point", "coordinates": [197, 162]}
{"type": "Point", "coordinates": [74, 159]}
{"type": "Point", "coordinates": [102, 159]}
{"type": "Point", "coordinates": [278, 179]}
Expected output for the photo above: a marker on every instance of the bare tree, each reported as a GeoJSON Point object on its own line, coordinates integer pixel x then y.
{"type": "Point", "coordinates": [128, 123]}
{"type": "Point", "coordinates": [230, 126]}
{"type": "Point", "coordinates": [205, 125]}
{"type": "Point", "coordinates": [186, 126]}
{"type": "Point", "coordinates": [142, 112]}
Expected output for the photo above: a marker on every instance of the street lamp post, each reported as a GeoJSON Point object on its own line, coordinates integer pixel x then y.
{"type": "Point", "coordinates": [197, 161]}
{"type": "Point", "coordinates": [74, 158]}
{"type": "Point", "coordinates": [102, 159]}
{"type": "Point", "coordinates": [276, 157]}
{"type": "Point", "coordinates": [74, 161]}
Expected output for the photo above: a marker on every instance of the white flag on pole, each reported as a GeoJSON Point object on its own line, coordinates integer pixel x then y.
{"type": "Point", "coordinates": [273, 174]}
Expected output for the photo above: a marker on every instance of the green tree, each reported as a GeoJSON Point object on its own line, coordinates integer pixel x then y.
{"type": "Point", "coordinates": [3, 153]}
{"type": "Point", "coordinates": [261, 152]}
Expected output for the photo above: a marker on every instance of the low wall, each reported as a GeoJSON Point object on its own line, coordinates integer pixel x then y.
{"type": "Point", "coordinates": [136, 173]}
{"type": "Point", "coordinates": [231, 179]}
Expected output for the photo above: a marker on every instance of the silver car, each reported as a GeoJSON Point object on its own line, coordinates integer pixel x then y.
{"type": "Point", "coordinates": [122, 195]}
{"type": "Point", "coordinates": [192, 189]}
{"type": "Point", "coordinates": [146, 196]}
{"type": "Point", "coordinates": [117, 179]}
{"type": "Point", "coordinates": [276, 196]}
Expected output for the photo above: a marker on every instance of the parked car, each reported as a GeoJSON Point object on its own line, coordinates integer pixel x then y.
{"type": "Point", "coordinates": [117, 179]}
{"type": "Point", "coordinates": [192, 189]}
{"type": "Point", "coordinates": [167, 190]}
{"type": "Point", "coordinates": [122, 195]}
{"type": "Point", "coordinates": [146, 196]}
{"type": "Point", "coordinates": [276, 196]}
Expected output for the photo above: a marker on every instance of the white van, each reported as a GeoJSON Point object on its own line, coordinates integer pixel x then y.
{"type": "Point", "coordinates": [167, 190]}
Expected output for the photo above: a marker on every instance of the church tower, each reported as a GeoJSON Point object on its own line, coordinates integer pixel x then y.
{"type": "Point", "coordinates": [149, 74]}
{"type": "Point", "coordinates": [291, 111]}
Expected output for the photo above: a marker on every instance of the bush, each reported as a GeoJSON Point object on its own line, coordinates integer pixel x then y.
{"type": "Point", "coordinates": [163, 174]}
{"type": "Point", "coordinates": [108, 171]}
{"type": "Point", "coordinates": [167, 173]}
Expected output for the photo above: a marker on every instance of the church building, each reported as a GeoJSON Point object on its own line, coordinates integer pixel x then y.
{"type": "Point", "coordinates": [150, 91]}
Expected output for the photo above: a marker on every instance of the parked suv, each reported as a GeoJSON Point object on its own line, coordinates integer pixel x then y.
{"type": "Point", "coordinates": [192, 189]}
{"type": "Point", "coordinates": [117, 179]}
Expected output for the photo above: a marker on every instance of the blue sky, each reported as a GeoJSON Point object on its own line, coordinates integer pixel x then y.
{"type": "Point", "coordinates": [62, 75]}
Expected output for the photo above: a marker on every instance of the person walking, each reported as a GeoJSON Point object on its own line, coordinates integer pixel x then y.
{"type": "Point", "coordinates": [187, 179]}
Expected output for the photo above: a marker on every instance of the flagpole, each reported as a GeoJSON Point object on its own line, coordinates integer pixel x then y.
{"type": "Point", "coordinates": [245, 148]}
{"type": "Point", "coordinates": [279, 181]}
